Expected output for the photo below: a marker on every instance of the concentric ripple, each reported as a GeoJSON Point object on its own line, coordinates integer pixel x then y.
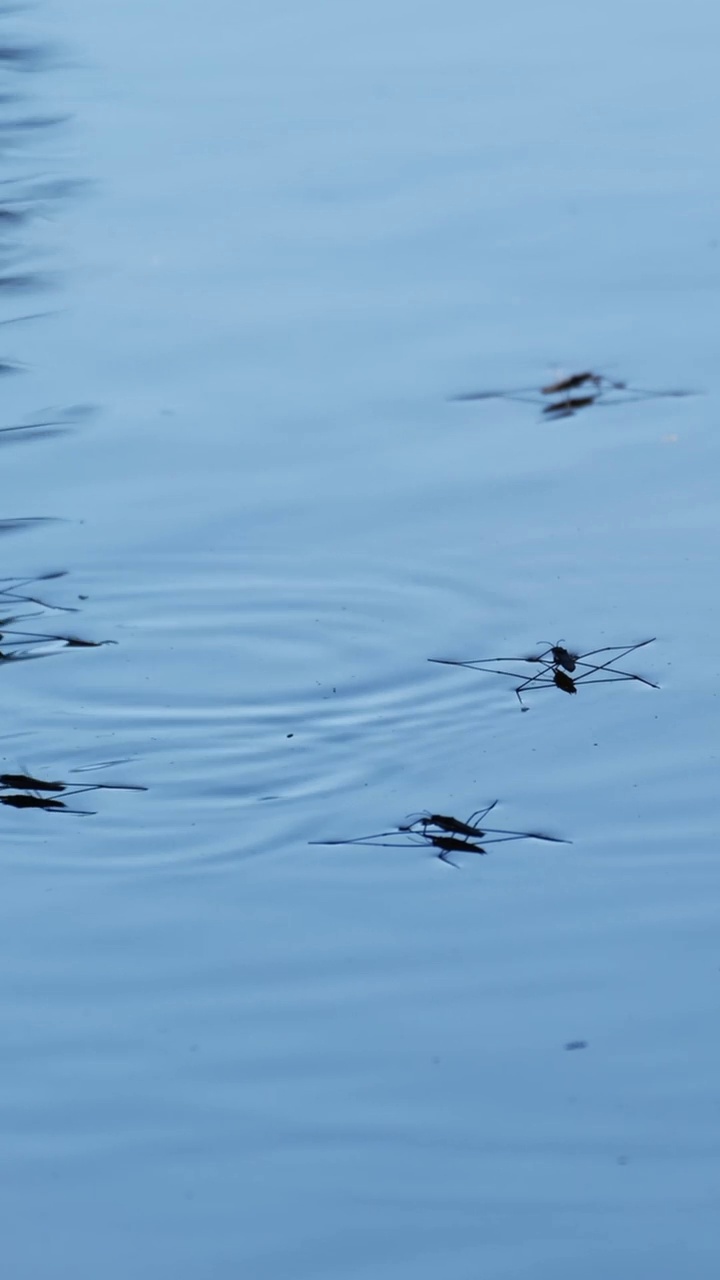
{"type": "Point", "coordinates": [245, 684]}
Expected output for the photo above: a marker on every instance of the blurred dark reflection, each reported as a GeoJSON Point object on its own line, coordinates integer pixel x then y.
{"type": "Point", "coordinates": [49, 422]}
{"type": "Point", "coordinates": [27, 627]}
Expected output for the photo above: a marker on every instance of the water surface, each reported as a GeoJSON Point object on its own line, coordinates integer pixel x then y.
{"type": "Point", "coordinates": [303, 230]}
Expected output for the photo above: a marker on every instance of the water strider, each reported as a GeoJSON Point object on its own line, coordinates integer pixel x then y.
{"type": "Point", "coordinates": [556, 662]}
{"type": "Point", "coordinates": [445, 834]}
{"type": "Point", "coordinates": [605, 390]}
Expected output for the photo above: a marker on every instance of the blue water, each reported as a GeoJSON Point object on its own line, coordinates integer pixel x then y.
{"type": "Point", "coordinates": [272, 242]}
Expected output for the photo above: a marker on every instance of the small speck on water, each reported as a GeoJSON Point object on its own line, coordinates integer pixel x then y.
{"type": "Point", "coordinates": [576, 1044]}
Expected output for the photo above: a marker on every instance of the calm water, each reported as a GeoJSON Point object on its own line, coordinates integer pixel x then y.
{"type": "Point", "coordinates": [272, 242]}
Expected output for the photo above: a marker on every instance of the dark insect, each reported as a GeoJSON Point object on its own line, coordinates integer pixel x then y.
{"type": "Point", "coordinates": [576, 380]}
{"type": "Point", "coordinates": [442, 822]}
{"type": "Point", "coordinates": [24, 781]}
{"type": "Point", "coordinates": [598, 389]}
{"type": "Point", "coordinates": [555, 663]}
{"type": "Point", "coordinates": [27, 782]}
{"type": "Point", "coordinates": [26, 792]}
{"type": "Point", "coordinates": [561, 657]}
{"type": "Point", "coordinates": [445, 834]}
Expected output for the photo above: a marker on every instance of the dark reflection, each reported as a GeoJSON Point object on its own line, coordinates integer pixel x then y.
{"type": "Point", "coordinates": [35, 315]}
{"type": "Point", "coordinates": [15, 589]}
{"type": "Point", "coordinates": [23, 195]}
{"type": "Point", "coordinates": [444, 835]}
{"type": "Point", "coordinates": [22, 522]}
{"type": "Point", "coordinates": [29, 123]}
{"type": "Point", "coordinates": [19, 643]}
{"type": "Point", "coordinates": [43, 424]}
{"type": "Point", "coordinates": [566, 408]}
{"type": "Point", "coordinates": [560, 668]}
{"type": "Point", "coordinates": [22, 282]}
{"type": "Point", "coordinates": [31, 192]}
{"type": "Point", "coordinates": [22, 57]}
{"type": "Point", "coordinates": [597, 389]}
{"type": "Point", "coordinates": [26, 792]}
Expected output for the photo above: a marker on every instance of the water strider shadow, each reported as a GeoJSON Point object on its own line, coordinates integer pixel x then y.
{"type": "Point", "coordinates": [19, 643]}
{"type": "Point", "coordinates": [41, 425]}
{"type": "Point", "coordinates": [25, 196]}
{"type": "Point", "coordinates": [17, 56]}
{"type": "Point", "coordinates": [559, 668]}
{"type": "Point", "coordinates": [22, 791]}
{"type": "Point", "coordinates": [25, 192]}
{"type": "Point", "coordinates": [595, 389]}
{"type": "Point", "coordinates": [29, 627]}
{"type": "Point", "coordinates": [18, 523]}
{"type": "Point", "coordinates": [444, 835]}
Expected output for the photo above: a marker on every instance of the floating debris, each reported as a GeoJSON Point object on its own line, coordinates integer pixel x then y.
{"type": "Point", "coordinates": [604, 390]}
{"type": "Point", "coordinates": [560, 669]}
{"type": "Point", "coordinates": [444, 834]}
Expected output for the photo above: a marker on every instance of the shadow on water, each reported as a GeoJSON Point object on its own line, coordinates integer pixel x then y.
{"type": "Point", "coordinates": [19, 643]}
{"type": "Point", "coordinates": [50, 422]}
{"type": "Point", "coordinates": [22, 198]}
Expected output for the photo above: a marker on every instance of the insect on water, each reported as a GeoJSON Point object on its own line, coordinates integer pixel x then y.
{"type": "Point", "coordinates": [26, 792]}
{"type": "Point", "coordinates": [575, 380]}
{"type": "Point", "coordinates": [444, 834]}
{"type": "Point", "coordinates": [425, 822]}
{"type": "Point", "coordinates": [561, 657]}
{"type": "Point", "coordinates": [560, 668]}
{"type": "Point", "coordinates": [596, 388]}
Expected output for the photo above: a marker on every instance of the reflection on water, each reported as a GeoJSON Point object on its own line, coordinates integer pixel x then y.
{"type": "Point", "coordinates": [24, 522]}
{"type": "Point", "coordinates": [22, 57]}
{"type": "Point", "coordinates": [21, 643]}
{"type": "Point", "coordinates": [43, 424]}
{"type": "Point", "coordinates": [24, 198]}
